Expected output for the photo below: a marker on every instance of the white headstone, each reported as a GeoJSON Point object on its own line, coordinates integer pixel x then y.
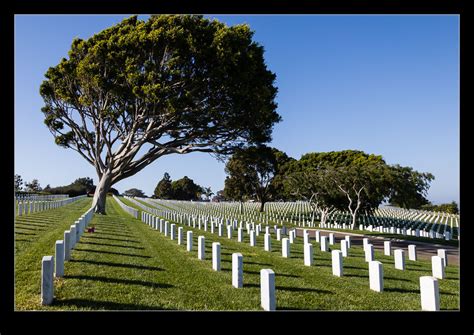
{"type": "Point", "coordinates": [73, 235]}
{"type": "Point", "coordinates": [189, 240]}
{"type": "Point", "coordinates": [240, 235]}
{"type": "Point", "coordinates": [59, 259]}
{"type": "Point", "coordinates": [324, 243]}
{"type": "Point", "coordinates": [437, 267]}
{"type": "Point", "coordinates": [331, 238]}
{"type": "Point", "coordinates": [376, 276]}
{"type": "Point", "coordinates": [229, 232]}
{"type": "Point", "coordinates": [336, 263]}
{"type": "Point", "coordinates": [412, 252]}
{"type": "Point", "coordinates": [285, 247]}
{"type": "Point", "coordinates": [429, 293]}
{"type": "Point", "coordinates": [369, 252]}
{"type": "Point", "coordinates": [172, 227]}
{"type": "Point", "coordinates": [344, 248]}
{"type": "Point", "coordinates": [252, 238]}
{"type": "Point", "coordinates": [348, 239]}
{"type": "Point", "coordinates": [318, 236]}
{"type": "Point", "coordinates": [237, 270]}
{"type": "Point", "coordinates": [278, 233]}
{"type": "Point", "coordinates": [47, 286]}
{"type": "Point", "coordinates": [267, 242]}
{"type": "Point", "coordinates": [166, 228]}
{"type": "Point", "coordinates": [399, 255]}
{"type": "Point", "coordinates": [308, 254]}
{"type": "Point", "coordinates": [67, 245]}
{"type": "Point", "coordinates": [387, 248]}
{"type": "Point", "coordinates": [442, 253]}
{"type": "Point", "coordinates": [267, 289]}
{"type": "Point", "coordinates": [216, 256]}
{"type": "Point", "coordinates": [201, 247]}
{"type": "Point", "coordinates": [365, 241]}
{"type": "Point", "coordinates": [221, 226]}
{"type": "Point", "coordinates": [180, 235]}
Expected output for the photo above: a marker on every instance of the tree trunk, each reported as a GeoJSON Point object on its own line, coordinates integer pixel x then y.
{"type": "Point", "coordinates": [100, 193]}
{"type": "Point", "coordinates": [354, 215]}
{"type": "Point", "coordinates": [262, 206]}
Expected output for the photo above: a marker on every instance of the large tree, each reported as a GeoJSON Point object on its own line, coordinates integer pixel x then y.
{"type": "Point", "coordinates": [343, 180]}
{"type": "Point", "coordinates": [33, 186]}
{"type": "Point", "coordinates": [134, 192]}
{"type": "Point", "coordinates": [18, 183]}
{"type": "Point", "coordinates": [186, 189]}
{"type": "Point", "coordinates": [172, 84]}
{"type": "Point", "coordinates": [251, 174]}
{"type": "Point", "coordinates": [163, 189]}
{"type": "Point", "coordinates": [409, 187]}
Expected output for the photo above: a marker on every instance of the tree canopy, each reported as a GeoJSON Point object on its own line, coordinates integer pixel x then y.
{"type": "Point", "coordinates": [351, 180]}
{"type": "Point", "coordinates": [134, 192]}
{"type": "Point", "coordinates": [163, 189]}
{"type": "Point", "coordinates": [252, 174]}
{"type": "Point", "coordinates": [171, 84]}
{"type": "Point", "coordinates": [409, 187]}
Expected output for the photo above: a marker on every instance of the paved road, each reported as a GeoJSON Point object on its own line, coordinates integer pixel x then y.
{"type": "Point", "coordinates": [424, 250]}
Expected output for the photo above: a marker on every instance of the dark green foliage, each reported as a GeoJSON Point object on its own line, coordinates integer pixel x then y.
{"type": "Point", "coordinates": [33, 186]}
{"type": "Point", "coordinates": [134, 192]}
{"type": "Point", "coordinates": [409, 187]}
{"type": "Point", "coordinates": [172, 84]}
{"type": "Point", "coordinates": [78, 187]}
{"type": "Point", "coordinates": [451, 207]}
{"type": "Point", "coordinates": [253, 174]}
{"type": "Point", "coordinates": [18, 182]}
{"type": "Point", "coordinates": [163, 190]}
{"type": "Point", "coordinates": [186, 189]}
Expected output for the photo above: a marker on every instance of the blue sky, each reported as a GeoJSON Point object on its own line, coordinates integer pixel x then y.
{"type": "Point", "coordinates": [387, 85]}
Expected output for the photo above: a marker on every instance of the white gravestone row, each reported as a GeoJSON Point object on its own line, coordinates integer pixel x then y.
{"type": "Point", "coordinates": [54, 266]}
{"type": "Point", "coordinates": [30, 207]}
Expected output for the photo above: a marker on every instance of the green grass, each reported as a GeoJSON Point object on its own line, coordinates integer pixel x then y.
{"type": "Point", "coordinates": [35, 237]}
{"type": "Point", "coordinates": [127, 265]}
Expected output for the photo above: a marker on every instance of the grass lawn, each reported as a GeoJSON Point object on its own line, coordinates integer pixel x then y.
{"type": "Point", "coordinates": [35, 237]}
{"type": "Point", "coordinates": [126, 264]}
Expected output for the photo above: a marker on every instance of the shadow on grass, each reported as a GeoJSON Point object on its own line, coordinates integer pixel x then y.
{"type": "Point", "coordinates": [109, 238]}
{"type": "Point", "coordinates": [28, 228]}
{"type": "Point", "coordinates": [22, 240]}
{"type": "Point", "coordinates": [104, 305]}
{"type": "Point", "coordinates": [30, 224]}
{"type": "Point", "coordinates": [119, 265]}
{"type": "Point", "coordinates": [293, 289]}
{"type": "Point", "coordinates": [119, 281]}
{"type": "Point", "coordinates": [276, 274]}
{"type": "Point", "coordinates": [400, 290]}
{"type": "Point", "coordinates": [21, 233]}
{"type": "Point", "coordinates": [111, 253]}
{"type": "Point", "coordinates": [256, 263]}
{"type": "Point", "coordinates": [107, 234]}
{"type": "Point", "coordinates": [113, 245]}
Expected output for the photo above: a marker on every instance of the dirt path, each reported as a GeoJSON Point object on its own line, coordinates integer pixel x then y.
{"type": "Point", "coordinates": [424, 250]}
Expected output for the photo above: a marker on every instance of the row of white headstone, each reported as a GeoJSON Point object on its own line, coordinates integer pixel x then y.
{"type": "Point", "coordinates": [38, 197]}
{"type": "Point", "coordinates": [62, 253]}
{"type": "Point", "coordinates": [432, 234]}
{"type": "Point", "coordinates": [375, 267]}
{"type": "Point", "coordinates": [130, 210]}
{"type": "Point", "coordinates": [267, 276]}
{"type": "Point", "coordinates": [27, 207]}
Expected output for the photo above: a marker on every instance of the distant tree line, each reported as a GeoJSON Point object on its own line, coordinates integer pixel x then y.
{"type": "Point", "coordinates": [348, 180]}
{"type": "Point", "coordinates": [181, 189]}
{"type": "Point", "coordinates": [451, 207]}
{"type": "Point", "coordinates": [80, 186]}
